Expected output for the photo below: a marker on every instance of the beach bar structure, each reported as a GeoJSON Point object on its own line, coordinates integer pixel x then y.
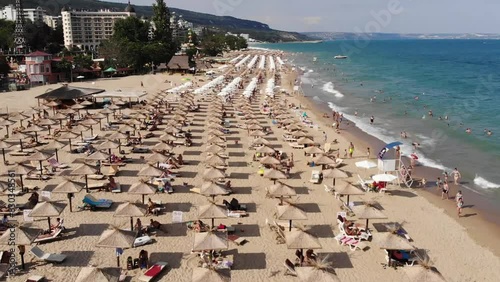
{"type": "Point", "coordinates": [68, 93]}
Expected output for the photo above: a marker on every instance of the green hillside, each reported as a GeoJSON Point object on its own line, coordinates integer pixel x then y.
{"type": "Point", "coordinates": [257, 30]}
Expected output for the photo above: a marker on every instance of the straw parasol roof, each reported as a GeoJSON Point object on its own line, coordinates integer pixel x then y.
{"type": "Point", "coordinates": [421, 273]}
{"type": "Point", "coordinates": [77, 106]}
{"type": "Point", "coordinates": [313, 150]}
{"type": "Point", "coordinates": [86, 103]}
{"type": "Point", "coordinates": [130, 210]}
{"type": "Point", "coordinates": [47, 209]}
{"type": "Point", "coordinates": [107, 145]}
{"type": "Point", "coordinates": [215, 133]}
{"type": "Point", "coordinates": [114, 107]}
{"type": "Point", "coordinates": [94, 274]}
{"type": "Point", "coordinates": [210, 241]}
{"type": "Point", "coordinates": [260, 141]}
{"type": "Point", "coordinates": [202, 274]}
{"type": "Point", "coordinates": [126, 128]}
{"type": "Point", "coordinates": [4, 145]}
{"type": "Point", "coordinates": [54, 144]}
{"type": "Point", "coordinates": [22, 169]}
{"type": "Point", "coordinates": [150, 171]}
{"type": "Point", "coordinates": [255, 127]}
{"type": "Point", "coordinates": [213, 189]}
{"type": "Point", "coordinates": [142, 188]}
{"type": "Point", "coordinates": [211, 211]}
{"type": "Point", "coordinates": [89, 122]}
{"type": "Point", "coordinates": [215, 139]}
{"type": "Point", "coordinates": [6, 122]}
{"type": "Point", "coordinates": [59, 116]}
{"type": "Point", "coordinates": [23, 235]}
{"type": "Point", "coordinates": [157, 158]}
{"type": "Point", "coordinates": [269, 161]}
{"type": "Point", "coordinates": [52, 104]}
{"type": "Point", "coordinates": [116, 238]}
{"type": "Point", "coordinates": [106, 111]}
{"type": "Point", "coordinates": [80, 128]}
{"type": "Point", "coordinates": [38, 156]}
{"type": "Point", "coordinates": [371, 212]}
{"type": "Point", "coordinates": [98, 155]}
{"type": "Point", "coordinates": [274, 174]}
{"type": "Point", "coordinates": [98, 116]}
{"type": "Point", "coordinates": [391, 241]}
{"type": "Point", "coordinates": [215, 160]}
{"type": "Point", "coordinates": [67, 135]}
{"type": "Point", "coordinates": [67, 186]}
{"type": "Point", "coordinates": [134, 122]}
{"type": "Point", "coordinates": [334, 173]}
{"type": "Point", "coordinates": [265, 150]}
{"type": "Point", "coordinates": [305, 141]}
{"type": "Point", "coordinates": [83, 169]}
{"type": "Point", "coordinates": [213, 173]}
{"type": "Point", "coordinates": [315, 274]}
{"type": "Point", "coordinates": [117, 135]}
{"type": "Point", "coordinates": [347, 188]}
{"type": "Point", "coordinates": [300, 239]}
{"type": "Point", "coordinates": [281, 190]}
{"type": "Point", "coordinates": [167, 137]}
{"type": "Point", "coordinates": [290, 212]}
{"type": "Point", "coordinates": [18, 116]}
{"type": "Point", "coordinates": [214, 149]}
{"type": "Point", "coordinates": [46, 122]}
{"type": "Point", "coordinates": [18, 136]}
{"type": "Point", "coordinates": [34, 128]}
{"type": "Point", "coordinates": [258, 133]}
{"type": "Point", "coordinates": [162, 146]}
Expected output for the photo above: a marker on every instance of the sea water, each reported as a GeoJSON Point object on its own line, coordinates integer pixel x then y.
{"type": "Point", "coordinates": [400, 81]}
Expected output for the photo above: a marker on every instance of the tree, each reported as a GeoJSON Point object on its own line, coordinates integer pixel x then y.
{"type": "Point", "coordinates": [82, 61]}
{"type": "Point", "coordinates": [6, 34]}
{"type": "Point", "coordinates": [4, 66]}
{"type": "Point", "coordinates": [163, 32]}
{"type": "Point", "coordinates": [214, 44]}
{"type": "Point", "coordinates": [132, 29]}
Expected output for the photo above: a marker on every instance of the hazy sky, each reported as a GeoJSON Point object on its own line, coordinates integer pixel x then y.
{"type": "Point", "coordinates": [404, 16]}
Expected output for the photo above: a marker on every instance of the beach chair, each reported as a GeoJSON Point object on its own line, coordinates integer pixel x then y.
{"type": "Point", "coordinates": [153, 271]}
{"type": "Point", "coordinates": [90, 138]}
{"type": "Point", "coordinates": [95, 186]}
{"type": "Point", "coordinates": [112, 171]}
{"type": "Point", "coordinates": [118, 188]}
{"type": "Point", "coordinates": [36, 278]}
{"type": "Point", "coordinates": [355, 245]}
{"type": "Point", "coordinates": [237, 240]}
{"type": "Point", "coordinates": [315, 176]}
{"type": "Point", "coordinates": [96, 176]}
{"type": "Point", "coordinates": [55, 164]}
{"type": "Point", "coordinates": [49, 257]}
{"type": "Point", "coordinates": [21, 153]}
{"type": "Point", "coordinates": [53, 235]}
{"type": "Point", "coordinates": [93, 203]}
{"type": "Point", "coordinates": [289, 268]}
{"type": "Point", "coordinates": [139, 150]}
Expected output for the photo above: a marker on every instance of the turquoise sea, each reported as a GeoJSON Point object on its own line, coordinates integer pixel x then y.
{"type": "Point", "coordinates": [400, 81]}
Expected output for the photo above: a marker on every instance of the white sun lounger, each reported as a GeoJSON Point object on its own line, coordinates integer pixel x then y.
{"type": "Point", "coordinates": [49, 257]}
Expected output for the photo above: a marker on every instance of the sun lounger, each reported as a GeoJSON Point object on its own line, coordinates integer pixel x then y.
{"type": "Point", "coordinates": [91, 138]}
{"type": "Point", "coordinates": [337, 163]}
{"type": "Point", "coordinates": [139, 150]}
{"type": "Point", "coordinates": [96, 176]}
{"type": "Point", "coordinates": [95, 186]}
{"type": "Point", "coordinates": [289, 268]}
{"type": "Point", "coordinates": [115, 163]}
{"type": "Point", "coordinates": [53, 235]}
{"type": "Point", "coordinates": [153, 271]}
{"type": "Point", "coordinates": [35, 278]}
{"type": "Point", "coordinates": [356, 245]}
{"type": "Point", "coordinates": [16, 211]}
{"type": "Point", "coordinates": [49, 257]}
{"type": "Point", "coordinates": [237, 240]}
{"type": "Point", "coordinates": [37, 176]}
{"type": "Point", "coordinates": [21, 153]}
{"type": "Point", "coordinates": [93, 203]}
{"type": "Point", "coordinates": [315, 176]}
{"type": "Point", "coordinates": [296, 145]}
{"type": "Point", "coordinates": [141, 241]}
{"type": "Point", "coordinates": [236, 214]}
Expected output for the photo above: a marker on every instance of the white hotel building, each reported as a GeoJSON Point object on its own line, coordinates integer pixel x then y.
{"type": "Point", "coordinates": [86, 29]}
{"type": "Point", "coordinates": [34, 15]}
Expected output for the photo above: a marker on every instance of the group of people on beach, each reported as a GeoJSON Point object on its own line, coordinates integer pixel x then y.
{"type": "Point", "coordinates": [445, 189]}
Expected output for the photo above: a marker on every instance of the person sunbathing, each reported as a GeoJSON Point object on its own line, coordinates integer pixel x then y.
{"type": "Point", "coordinates": [138, 227]}
{"type": "Point", "coordinates": [57, 225]}
{"type": "Point", "coordinates": [180, 160]}
{"type": "Point", "coordinates": [310, 258]}
{"type": "Point", "coordinates": [351, 229]}
{"type": "Point", "coordinates": [199, 226]}
{"type": "Point", "coordinates": [228, 186]}
{"type": "Point", "coordinates": [172, 163]}
{"type": "Point", "coordinates": [112, 185]}
{"type": "Point", "coordinates": [153, 208]}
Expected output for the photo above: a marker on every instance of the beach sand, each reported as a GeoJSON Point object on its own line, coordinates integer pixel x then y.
{"type": "Point", "coordinates": [458, 254]}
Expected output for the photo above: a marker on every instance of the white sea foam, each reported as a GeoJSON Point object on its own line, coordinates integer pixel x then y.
{"type": "Point", "coordinates": [386, 136]}
{"type": "Point", "coordinates": [485, 184]}
{"type": "Point", "coordinates": [318, 99]}
{"type": "Point", "coordinates": [330, 88]}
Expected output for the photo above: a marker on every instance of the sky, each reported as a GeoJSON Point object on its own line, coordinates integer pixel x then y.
{"type": "Point", "coordinates": [388, 16]}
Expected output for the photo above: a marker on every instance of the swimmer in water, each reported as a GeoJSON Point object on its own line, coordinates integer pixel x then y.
{"type": "Point", "coordinates": [489, 133]}
{"type": "Point", "coordinates": [430, 113]}
{"type": "Point", "coordinates": [468, 131]}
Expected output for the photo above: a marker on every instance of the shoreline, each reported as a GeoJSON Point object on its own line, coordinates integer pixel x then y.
{"type": "Point", "coordinates": [482, 226]}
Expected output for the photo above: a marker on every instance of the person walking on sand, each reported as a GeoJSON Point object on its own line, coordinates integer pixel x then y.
{"type": "Point", "coordinates": [351, 150]}
{"type": "Point", "coordinates": [439, 183]}
{"type": "Point", "coordinates": [445, 191]}
{"type": "Point", "coordinates": [456, 176]}
{"type": "Point", "coordinates": [459, 196]}
{"type": "Point", "coordinates": [368, 153]}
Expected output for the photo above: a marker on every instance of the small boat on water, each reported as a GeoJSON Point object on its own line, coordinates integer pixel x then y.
{"type": "Point", "coordinates": [340, 57]}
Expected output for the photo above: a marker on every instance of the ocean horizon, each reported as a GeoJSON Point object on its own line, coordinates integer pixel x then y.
{"type": "Point", "coordinates": [400, 82]}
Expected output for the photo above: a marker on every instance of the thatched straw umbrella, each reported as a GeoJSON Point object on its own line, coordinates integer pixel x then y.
{"type": "Point", "coordinates": [151, 171]}
{"type": "Point", "coordinates": [213, 174]}
{"type": "Point", "coordinates": [86, 170]}
{"type": "Point", "coordinates": [34, 128]}
{"type": "Point", "coordinates": [215, 160]}
{"type": "Point", "coordinates": [211, 189]}
{"type": "Point", "coordinates": [130, 210]}
{"type": "Point", "coordinates": [94, 274]}
{"type": "Point", "coordinates": [19, 137]}
{"type": "Point", "coordinates": [68, 187]}
{"type": "Point", "coordinates": [348, 189]}
{"type": "Point", "coordinates": [116, 238]}
{"type": "Point", "coordinates": [47, 209]}
{"type": "Point", "coordinates": [68, 135]}
{"type": "Point", "coordinates": [3, 146]}
{"type": "Point", "coordinates": [281, 190]}
{"type": "Point", "coordinates": [274, 174]}
{"type": "Point", "coordinates": [142, 188]}
{"type": "Point", "coordinates": [22, 236]}
{"type": "Point", "coordinates": [371, 212]}
{"type": "Point", "coordinates": [290, 212]}
{"type": "Point", "coordinates": [6, 123]}
{"type": "Point", "coordinates": [265, 150]}
{"type": "Point", "coordinates": [211, 211]}
{"type": "Point", "coordinates": [54, 145]}
{"type": "Point", "coordinates": [301, 239]}
{"type": "Point", "coordinates": [334, 173]}
{"type": "Point", "coordinates": [40, 157]}
{"type": "Point", "coordinates": [215, 241]}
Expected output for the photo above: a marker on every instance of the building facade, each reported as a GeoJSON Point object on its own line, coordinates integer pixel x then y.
{"type": "Point", "coordinates": [9, 13]}
{"type": "Point", "coordinates": [39, 67]}
{"type": "Point", "coordinates": [87, 29]}
{"type": "Point", "coordinates": [52, 21]}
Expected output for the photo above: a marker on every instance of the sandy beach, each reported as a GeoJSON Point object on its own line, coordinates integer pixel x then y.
{"type": "Point", "coordinates": [461, 249]}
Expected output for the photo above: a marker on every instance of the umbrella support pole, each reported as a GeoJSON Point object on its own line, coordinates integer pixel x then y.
{"type": "Point", "coordinates": [48, 220]}
{"type": "Point", "coordinates": [366, 224]}
{"type": "Point", "coordinates": [22, 260]}
{"type": "Point", "coordinates": [143, 196]}
{"type": "Point", "coordinates": [3, 155]}
{"type": "Point", "coordinates": [290, 226]}
{"type": "Point", "coordinates": [131, 224]}
{"type": "Point", "coordinates": [57, 156]}
{"type": "Point", "coordinates": [22, 183]}
{"type": "Point", "coordinates": [118, 261]}
{"type": "Point", "coordinates": [213, 222]}
{"type": "Point", "coordinates": [69, 199]}
{"type": "Point", "coordinates": [86, 184]}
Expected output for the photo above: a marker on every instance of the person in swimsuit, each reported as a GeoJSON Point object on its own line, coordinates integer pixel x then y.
{"type": "Point", "coordinates": [460, 204]}
{"type": "Point", "coordinates": [445, 191]}
{"type": "Point", "coordinates": [456, 176]}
